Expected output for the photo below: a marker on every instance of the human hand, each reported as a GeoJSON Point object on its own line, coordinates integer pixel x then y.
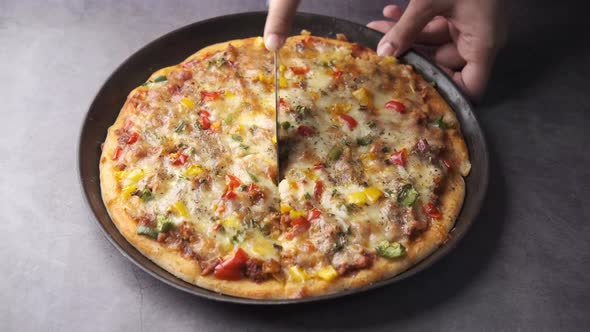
{"type": "Point", "coordinates": [461, 36]}
{"type": "Point", "coordinates": [278, 22]}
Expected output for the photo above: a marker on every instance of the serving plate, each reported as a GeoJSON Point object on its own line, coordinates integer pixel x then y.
{"type": "Point", "coordinates": [175, 46]}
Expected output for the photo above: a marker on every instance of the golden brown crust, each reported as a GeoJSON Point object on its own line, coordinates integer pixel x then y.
{"type": "Point", "coordinates": [187, 269]}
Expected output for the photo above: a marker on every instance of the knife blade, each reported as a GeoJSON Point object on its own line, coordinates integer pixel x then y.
{"type": "Point", "coordinates": [276, 68]}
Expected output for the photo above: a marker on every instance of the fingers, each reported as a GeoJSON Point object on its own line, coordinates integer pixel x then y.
{"type": "Point", "coordinates": [448, 56]}
{"type": "Point", "coordinates": [404, 33]}
{"type": "Point", "coordinates": [473, 79]}
{"type": "Point", "coordinates": [393, 12]}
{"type": "Point", "coordinates": [381, 26]}
{"type": "Point", "coordinates": [278, 22]}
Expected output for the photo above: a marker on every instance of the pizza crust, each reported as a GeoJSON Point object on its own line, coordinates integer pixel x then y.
{"type": "Point", "coordinates": [189, 270]}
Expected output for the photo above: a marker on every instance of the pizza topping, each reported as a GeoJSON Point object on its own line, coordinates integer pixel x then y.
{"type": "Point", "coordinates": [350, 121]}
{"type": "Point", "coordinates": [300, 70]}
{"type": "Point", "coordinates": [407, 195]}
{"type": "Point", "coordinates": [210, 95]}
{"type": "Point", "coordinates": [399, 157]}
{"type": "Point", "coordinates": [305, 131]}
{"type": "Point", "coordinates": [204, 121]}
{"type": "Point", "coordinates": [231, 268]}
{"type": "Point", "coordinates": [178, 158]}
{"type": "Point", "coordinates": [132, 138]}
{"type": "Point", "coordinates": [117, 153]}
{"type": "Point", "coordinates": [431, 210]}
{"type": "Point", "coordinates": [147, 231]}
{"type": "Point", "coordinates": [390, 250]}
{"type": "Point", "coordinates": [395, 106]}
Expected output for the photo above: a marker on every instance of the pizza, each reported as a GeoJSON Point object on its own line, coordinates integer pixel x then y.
{"type": "Point", "coordinates": [371, 177]}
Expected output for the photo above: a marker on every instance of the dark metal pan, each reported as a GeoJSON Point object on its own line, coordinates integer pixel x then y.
{"type": "Point", "coordinates": [174, 47]}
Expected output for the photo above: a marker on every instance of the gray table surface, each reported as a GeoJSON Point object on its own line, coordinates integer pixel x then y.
{"type": "Point", "coordinates": [524, 265]}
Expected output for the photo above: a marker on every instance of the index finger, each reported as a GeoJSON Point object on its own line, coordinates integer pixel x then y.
{"type": "Point", "coordinates": [278, 22]}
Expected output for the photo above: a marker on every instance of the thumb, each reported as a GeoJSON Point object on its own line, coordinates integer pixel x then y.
{"type": "Point", "coordinates": [278, 22]}
{"type": "Point", "coordinates": [404, 32]}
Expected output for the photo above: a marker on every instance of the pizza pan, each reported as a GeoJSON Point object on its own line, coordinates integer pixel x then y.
{"type": "Point", "coordinates": [175, 46]}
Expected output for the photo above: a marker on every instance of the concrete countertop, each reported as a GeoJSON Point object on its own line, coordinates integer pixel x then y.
{"type": "Point", "coordinates": [523, 266]}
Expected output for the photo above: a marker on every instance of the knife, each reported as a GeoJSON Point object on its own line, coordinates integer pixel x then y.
{"type": "Point", "coordinates": [276, 65]}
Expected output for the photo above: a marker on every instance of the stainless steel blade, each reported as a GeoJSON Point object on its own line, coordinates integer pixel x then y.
{"type": "Point", "coordinates": [276, 65]}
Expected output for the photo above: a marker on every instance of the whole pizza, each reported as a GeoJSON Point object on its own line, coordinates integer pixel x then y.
{"type": "Point", "coordinates": [371, 171]}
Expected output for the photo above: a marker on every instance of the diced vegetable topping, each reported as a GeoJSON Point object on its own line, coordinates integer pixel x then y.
{"type": "Point", "coordinates": [318, 190]}
{"type": "Point", "coordinates": [335, 152]}
{"type": "Point", "coordinates": [164, 224]}
{"type": "Point", "coordinates": [363, 96]}
{"type": "Point", "coordinates": [204, 121]}
{"type": "Point", "coordinates": [369, 195]}
{"type": "Point", "coordinates": [147, 231]}
{"type": "Point", "coordinates": [286, 125]}
{"type": "Point", "coordinates": [399, 157]}
{"type": "Point", "coordinates": [146, 195]}
{"type": "Point", "coordinates": [395, 106]}
{"type": "Point", "coordinates": [297, 274]}
{"type": "Point", "coordinates": [440, 123]}
{"type": "Point", "coordinates": [350, 121]}
{"type": "Point", "coordinates": [231, 269]}
{"type": "Point", "coordinates": [188, 103]}
{"type": "Point", "coordinates": [431, 210]}
{"type": "Point", "coordinates": [180, 127]}
{"type": "Point", "coordinates": [252, 177]}
{"type": "Point", "coordinates": [210, 95]}
{"type": "Point", "coordinates": [305, 131]}
{"type": "Point", "coordinates": [132, 138]}
{"type": "Point", "coordinates": [179, 209]}
{"type": "Point", "coordinates": [327, 273]}
{"type": "Point", "coordinates": [194, 170]}
{"type": "Point", "coordinates": [390, 250]}
{"type": "Point", "coordinates": [300, 70]}
{"type": "Point", "coordinates": [179, 159]}
{"type": "Point", "coordinates": [313, 214]}
{"type": "Point", "coordinates": [365, 140]}
{"type": "Point", "coordinates": [408, 195]}
{"type": "Point", "coordinates": [160, 78]}
{"type": "Point", "coordinates": [117, 153]}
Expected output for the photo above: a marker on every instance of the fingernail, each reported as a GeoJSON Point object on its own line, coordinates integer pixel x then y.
{"type": "Point", "coordinates": [385, 49]}
{"type": "Point", "coordinates": [272, 42]}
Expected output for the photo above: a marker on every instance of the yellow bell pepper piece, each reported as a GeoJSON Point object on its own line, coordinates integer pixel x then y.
{"type": "Point", "coordinates": [364, 96]}
{"type": "Point", "coordinates": [297, 274]}
{"type": "Point", "coordinates": [285, 208]}
{"type": "Point", "coordinates": [368, 156]}
{"type": "Point", "coordinates": [274, 139]}
{"type": "Point", "coordinates": [229, 94]}
{"type": "Point", "coordinates": [341, 108]}
{"type": "Point", "coordinates": [231, 222]}
{"type": "Point", "coordinates": [373, 194]}
{"type": "Point", "coordinates": [135, 175]}
{"type": "Point", "coordinates": [295, 214]}
{"type": "Point", "coordinates": [283, 83]}
{"type": "Point", "coordinates": [194, 170]}
{"type": "Point", "coordinates": [187, 102]}
{"type": "Point", "coordinates": [357, 198]}
{"type": "Point", "coordinates": [127, 191]}
{"type": "Point", "coordinates": [179, 209]}
{"type": "Point", "coordinates": [327, 273]}
{"type": "Point", "coordinates": [282, 68]}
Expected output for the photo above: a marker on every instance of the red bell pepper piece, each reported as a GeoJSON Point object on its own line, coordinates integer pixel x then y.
{"type": "Point", "coordinates": [395, 106]}
{"type": "Point", "coordinates": [231, 269]}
